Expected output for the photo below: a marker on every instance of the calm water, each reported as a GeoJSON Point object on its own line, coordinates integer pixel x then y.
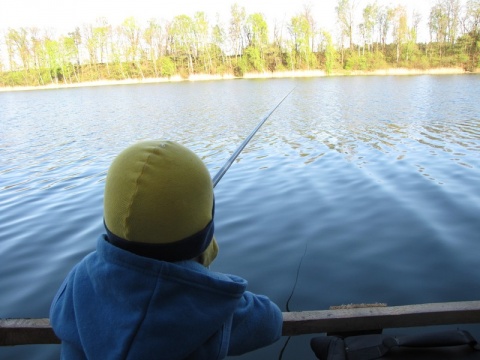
{"type": "Point", "coordinates": [375, 179]}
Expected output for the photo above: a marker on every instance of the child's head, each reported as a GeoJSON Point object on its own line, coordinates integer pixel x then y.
{"type": "Point", "coordinates": [159, 203]}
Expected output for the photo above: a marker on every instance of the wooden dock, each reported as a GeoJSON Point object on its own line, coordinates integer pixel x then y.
{"type": "Point", "coordinates": [39, 331]}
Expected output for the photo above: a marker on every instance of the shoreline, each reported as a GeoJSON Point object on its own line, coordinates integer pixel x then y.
{"type": "Point", "coordinates": [265, 75]}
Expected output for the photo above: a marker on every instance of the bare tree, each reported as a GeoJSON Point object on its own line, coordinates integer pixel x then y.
{"type": "Point", "coordinates": [237, 22]}
{"type": "Point", "coordinates": [345, 10]}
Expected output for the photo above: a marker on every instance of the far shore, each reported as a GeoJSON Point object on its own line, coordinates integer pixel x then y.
{"type": "Point", "coordinates": [265, 75]}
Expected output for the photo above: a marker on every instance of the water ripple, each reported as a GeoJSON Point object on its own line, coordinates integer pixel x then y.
{"type": "Point", "coordinates": [377, 177]}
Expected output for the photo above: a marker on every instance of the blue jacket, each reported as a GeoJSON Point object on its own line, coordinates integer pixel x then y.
{"type": "Point", "coordinates": [118, 305]}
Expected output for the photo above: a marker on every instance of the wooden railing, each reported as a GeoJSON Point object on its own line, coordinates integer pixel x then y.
{"type": "Point", "coordinates": [26, 332]}
{"type": "Point", "coordinates": [377, 318]}
{"type": "Point", "coordinates": [39, 331]}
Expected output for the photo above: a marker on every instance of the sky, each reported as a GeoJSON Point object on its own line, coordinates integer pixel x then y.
{"type": "Point", "coordinates": [64, 15]}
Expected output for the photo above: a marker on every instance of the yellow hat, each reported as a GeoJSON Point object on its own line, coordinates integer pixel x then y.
{"type": "Point", "coordinates": [159, 203]}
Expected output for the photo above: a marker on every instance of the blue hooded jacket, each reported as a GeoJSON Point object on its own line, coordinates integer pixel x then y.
{"type": "Point", "coordinates": [118, 305]}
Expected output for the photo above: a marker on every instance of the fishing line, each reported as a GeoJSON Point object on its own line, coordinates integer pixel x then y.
{"type": "Point", "coordinates": [296, 277]}
{"type": "Point", "coordinates": [287, 305]}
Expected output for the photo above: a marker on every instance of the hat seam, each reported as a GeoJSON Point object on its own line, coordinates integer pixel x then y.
{"type": "Point", "coordinates": [134, 194]}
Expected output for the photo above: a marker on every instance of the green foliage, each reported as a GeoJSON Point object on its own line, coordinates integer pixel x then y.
{"type": "Point", "coordinates": [330, 54]}
{"type": "Point", "coordinates": [166, 66]}
{"type": "Point", "coordinates": [257, 31]}
{"type": "Point", "coordinates": [422, 63]}
{"type": "Point", "coordinates": [14, 78]}
{"type": "Point", "coordinates": [302, 32]}
{"type": "Point", "coordinates": [240, 66]}
{"type": "Point", "coordinates": [189, 45]}
{"type": "Point", "coordinates": [356, 62]}
{"type": "Point", "coordinates": [274, 59]}
{"type": "Point", "coordinates": [290, 62]}
{"type": "Point", "coordinates": [368, 61]}
{"type": "Point", "coordinates": [252, 59]}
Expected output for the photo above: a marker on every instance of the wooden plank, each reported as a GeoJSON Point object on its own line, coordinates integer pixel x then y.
{"type": "Point", "coordinates": [39, 331]}
{"type": "Point", "coordinates": [372, 318]}
{"type": "Point", "coordinates": [26, 332]}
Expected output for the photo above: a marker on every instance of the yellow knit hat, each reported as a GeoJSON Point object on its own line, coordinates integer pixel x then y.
{"type": "Point", "coordinates": [159, 203]}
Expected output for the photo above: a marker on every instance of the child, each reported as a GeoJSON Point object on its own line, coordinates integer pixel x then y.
{"type": "Point", "coordinates": [146, 292]}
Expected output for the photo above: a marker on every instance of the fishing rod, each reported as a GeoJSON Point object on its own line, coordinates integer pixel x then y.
{"type": "Point", "coordinates": [230, 161]}
{"type": "Point", "coordinates": [232, 158]}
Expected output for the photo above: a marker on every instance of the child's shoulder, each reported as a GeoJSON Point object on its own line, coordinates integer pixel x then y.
{"type": "Point", "coordinates": [222, 277]}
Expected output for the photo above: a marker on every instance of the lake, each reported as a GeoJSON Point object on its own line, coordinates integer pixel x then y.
{"type": "Point", "coordinates": [356, 189]}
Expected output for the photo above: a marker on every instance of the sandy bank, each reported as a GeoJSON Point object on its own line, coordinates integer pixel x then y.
{"type": "Point", "coordinates": [387, 72]}
{"type": "Point", "coordinates": [176, 78]}
{"type": "Point", "coordinates": [265, 75]}
{"type": "Point", "coordinates": [402, 71]}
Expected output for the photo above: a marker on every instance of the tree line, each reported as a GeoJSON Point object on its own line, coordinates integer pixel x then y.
{"type": "Point", "coordinates": [385, 36]}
